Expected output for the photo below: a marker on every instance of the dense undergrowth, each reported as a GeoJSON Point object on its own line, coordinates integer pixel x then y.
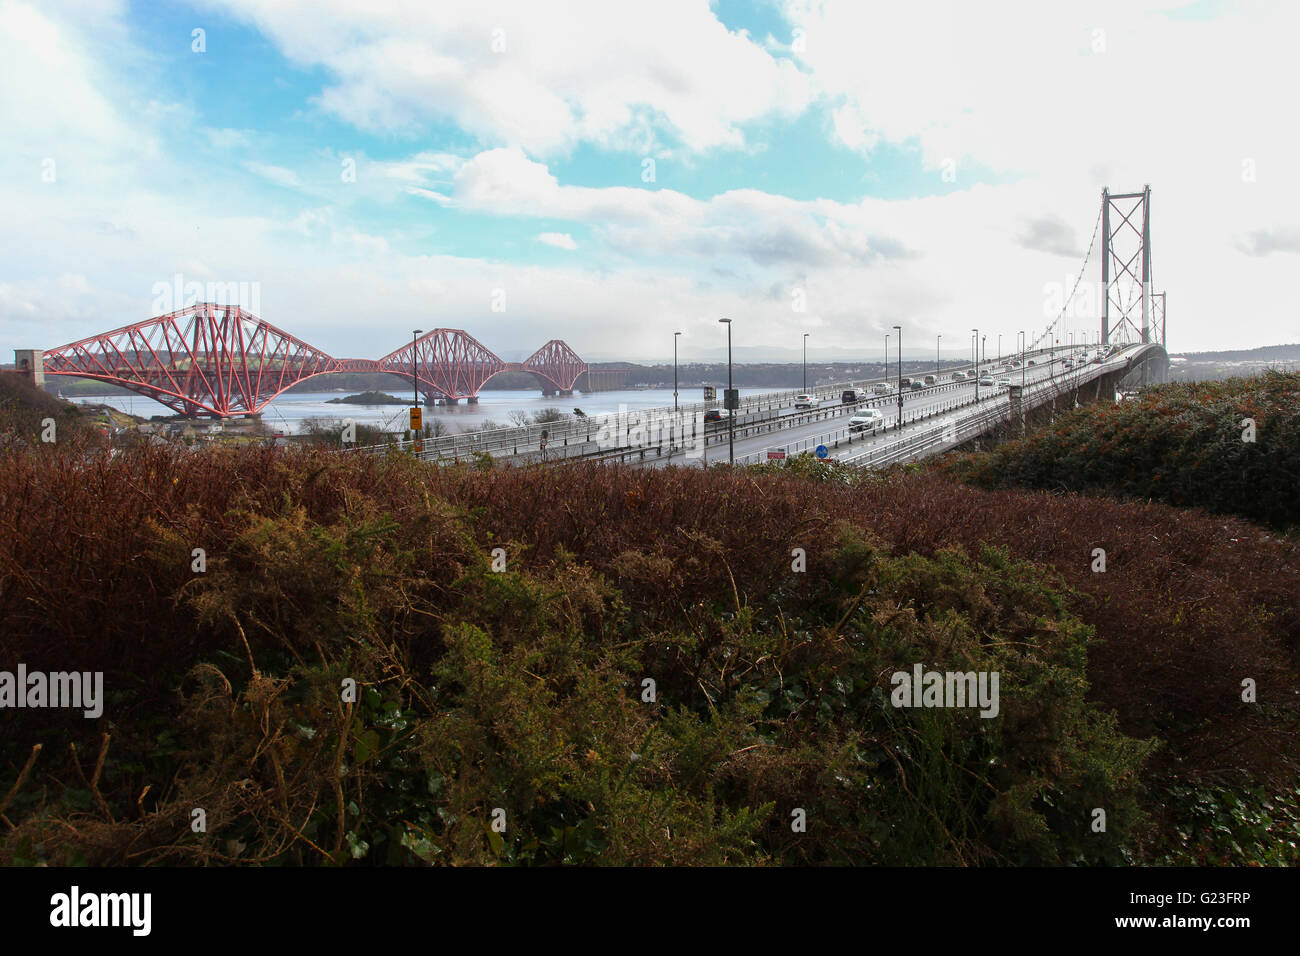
{"type": "Point", "coordinates": [519, 695]}
{"type": "Point", "coordinates": [1230, 447]}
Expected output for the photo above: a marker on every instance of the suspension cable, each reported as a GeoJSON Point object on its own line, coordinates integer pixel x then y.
{"type": "Point", "coordinates": [1082, 271]}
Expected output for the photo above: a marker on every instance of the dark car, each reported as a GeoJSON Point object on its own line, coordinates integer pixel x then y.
{"type": "Point", "coordinates": [918, 385]}
{"type": "Point", "coordinates": [849, 396]}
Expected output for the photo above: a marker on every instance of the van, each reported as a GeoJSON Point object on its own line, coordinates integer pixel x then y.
{"type": "Point", "coordinates": [880, 388]}
{"type": "Point", "coordinates": [905, 382]}
{"type": "Point", "coordinates": [930, 380]}
{"type": "Point", "coordinates": [850, 396]}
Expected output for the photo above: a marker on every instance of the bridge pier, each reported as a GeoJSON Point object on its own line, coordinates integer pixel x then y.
{"type": "Point", "coordinates": [31, 363]}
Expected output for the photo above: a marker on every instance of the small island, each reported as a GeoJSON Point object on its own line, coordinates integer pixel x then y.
{"type": "Point", "coordinates": [369, 398]}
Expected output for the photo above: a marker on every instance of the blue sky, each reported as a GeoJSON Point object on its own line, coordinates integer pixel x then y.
{"type": "Point", "coordinates": [828, 167]}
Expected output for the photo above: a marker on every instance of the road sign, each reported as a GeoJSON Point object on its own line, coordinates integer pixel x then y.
{"type": "Point", "coordinates": [709, 393]}
{"type": "Point", "coordinates": [417, 415]}
{"type": "Point", "coordinates": [731, 398]}
{"type": "Point", "coordinates": [822, 451]}
{"type": "Point", "coordinates": [776, 454]}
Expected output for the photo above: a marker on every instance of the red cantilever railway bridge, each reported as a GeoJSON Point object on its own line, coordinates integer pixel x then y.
{"type": "Point", "coordinates": [222, 361]}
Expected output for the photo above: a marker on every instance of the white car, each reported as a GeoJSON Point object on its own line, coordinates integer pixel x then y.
{"type": "Point", "coordinates": [806, 401]}
{"type": "Point", "coordinates": [1004, 383]}
{"type": "Point", "coordinates": [986, 380]}
{"type": "Point", "coordinates": [867, 419]}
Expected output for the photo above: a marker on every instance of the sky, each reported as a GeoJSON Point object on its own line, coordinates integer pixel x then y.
{"type": "Point", "coordinates": [610, 173]}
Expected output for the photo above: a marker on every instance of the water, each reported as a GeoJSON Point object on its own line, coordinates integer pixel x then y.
{"type": "Point", "coordinates": [290, 411]}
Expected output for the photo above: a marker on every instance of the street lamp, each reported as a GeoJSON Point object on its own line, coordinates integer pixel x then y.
{"type": "Point", "coordinates": [999, 348]}
{"type": "Point", "coordinates": [415, 386]}
{"type": "Point", "coordinates": [805, 363]}
{"type": "Point", "coordinates": [1023, 341]}
{"type": "Point", "coordinates": [415, 364]}
{"type": "Point", "coordinates": [900, 375]}
{"type": "Point", "coordinates": [975, 346]}
{"type": "Point", "coordinates": [731, 412]}
{"type": "Point", "coordinates": [984, 350]}
{"type": "Point", "coordinates": [675, 334]}
{"type": "Point", "coordinates": [936, 356]}
{"type": "Point", "coordinates": [886, 358]}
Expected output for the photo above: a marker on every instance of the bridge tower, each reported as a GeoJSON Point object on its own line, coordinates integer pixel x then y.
{"type": "Point", "coordinates": [31, 363]}
{"type": "Point", "coordinates": [1126, 266]}
{"type": "Point", "coordinates": [1158, 317]}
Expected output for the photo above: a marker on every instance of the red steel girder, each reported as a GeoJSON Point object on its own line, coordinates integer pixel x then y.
{"type": "Point", "coordinates": [451, 363]}
{"type": "Point", "coordinates": [205, 359]}
{"type": "Point", "coordinates": [556, 364]}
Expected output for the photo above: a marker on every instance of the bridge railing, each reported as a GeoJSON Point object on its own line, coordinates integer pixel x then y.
{"type": "Point", "coordinates": [510, 441]}
{"type": "Point", "coordinates": [954, 431]}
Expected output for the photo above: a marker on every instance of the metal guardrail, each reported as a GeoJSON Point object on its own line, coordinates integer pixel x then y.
{"type": "Point", "coordinates": [954, 433]}
{"type": "Point", "coordinates": [512, 441]}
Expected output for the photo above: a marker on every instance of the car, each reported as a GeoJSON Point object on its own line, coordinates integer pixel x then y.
{"type": "Point", "coordinates": [959, 376]}
{"type": "Point", "coordinates": [917, 385]}
{"type": "Point", "coordinates": [986, 380]}
{"type": "Point", "coordinates": [881, 388]}
{"type": "Point", "coordinates": [1030, 362]}
{"type": "Point", "coordinates": [1067, 363]}
{"type": "Point", "coordinates": [714, 415]}
{"type": "Point", "coordinates": [905, 381]}
{"type": "Point", "coordinates": [867, 419]}
{"type": "Point", "coordinates": [806, 401]}
{"type": "Point", "coordinates": [931, 380]}
{"type": "Point", "coordinates": [1004, 383]}
{"type": "Point", "coordinates": [850, 396]}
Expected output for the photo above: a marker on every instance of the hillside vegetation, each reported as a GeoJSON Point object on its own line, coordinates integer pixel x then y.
{"type": "Point", "coordinates": [1187, 444]}
{"type": "Point", "coordinates": [517, 692]}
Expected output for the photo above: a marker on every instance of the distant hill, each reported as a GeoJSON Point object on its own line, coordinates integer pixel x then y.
{"type": "Point", "coordinates": [1266, 353]}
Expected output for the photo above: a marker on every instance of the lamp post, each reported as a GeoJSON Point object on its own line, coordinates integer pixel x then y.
{"type": "Point", "coordinates": [805, 363]}
{"type": "Point", "coordinates": [975, 347]}
{"type": "Point", "coordinates": [1023, 340]}
{"type": "Point", "coordinates": [415, 365]}
{"type": "Point", "coordinates": [999, 360]}
{"type": "Point", "coordinates": [886, 358]}
{"type": "Point", "coordinates": [731, 412]}
{"type": "Point", "coordinates": [675, 334]}
{"type": "Point", "coordinates": [936, 357]}
{"type": "Point", "coordinates": [900, 375]}
{"type": "Point", "coordinates": [415, 385]}
{"type": "Point", "coordinates": [984, 351]}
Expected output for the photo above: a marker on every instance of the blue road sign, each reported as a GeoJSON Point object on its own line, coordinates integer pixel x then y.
{"type": "Point", "coordinates": [821, 451]}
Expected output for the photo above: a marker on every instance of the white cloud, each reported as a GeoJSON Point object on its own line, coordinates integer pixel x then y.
{"type": "Point", "coordinates": [276, 174]}
{"type": "Point", "coordinates": [560, 240]}
{"type": "Point", "coordinates": [527, 75]}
